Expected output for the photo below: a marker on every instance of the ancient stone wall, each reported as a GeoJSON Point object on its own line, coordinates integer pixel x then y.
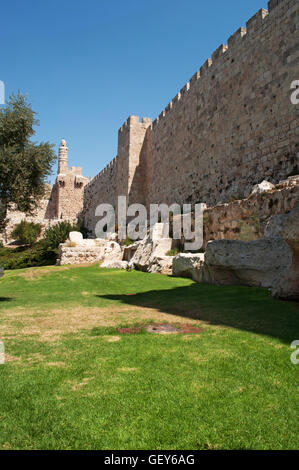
{"type": "Point", "coordinates": [101, 189]}
{"type": "Point", "coordinates": [233, 124]}
{"type": "Point", "coordinates": [246, 219]}
{"type": "Point", "coordinates": [69, 187]}
{"type": "Point", "coordinates": [44, 215]}
{"type": "Point", "coordinates": [63, 201]}
{"type": "Point", "coordinates": [132, 155]}
{"type": "Point", "coordinates": [230, 127]}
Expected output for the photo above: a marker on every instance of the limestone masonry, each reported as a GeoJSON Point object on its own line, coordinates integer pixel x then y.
{"type": "Point", "coordinates": [64, 201]}
{"type": "Point", "coordinates": [230, 127]}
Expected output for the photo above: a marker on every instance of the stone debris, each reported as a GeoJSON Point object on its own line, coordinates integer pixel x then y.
{"type": "Point", "coordinates": [262, 187]}
{"type": "Point", "coordinates": [188, 265]}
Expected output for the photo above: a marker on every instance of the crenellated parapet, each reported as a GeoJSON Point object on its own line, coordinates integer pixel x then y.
{"type": "Point", "coordinates": [229, 127]}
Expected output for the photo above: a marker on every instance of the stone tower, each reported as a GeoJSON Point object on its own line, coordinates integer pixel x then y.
{"type": "Point", "coordinates": [69, 187]}
{"type": "Point", "coordinates": [63, 157]}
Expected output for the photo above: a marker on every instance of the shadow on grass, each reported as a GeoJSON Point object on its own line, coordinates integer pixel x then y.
{"type": "Point", "coordinates": [245, 308]}
{"type": "Point", "coordinates": [5, 299]}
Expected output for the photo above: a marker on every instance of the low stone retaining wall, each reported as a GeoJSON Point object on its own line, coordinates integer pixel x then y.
{"type": "Point", "coordinates": [246, 219]}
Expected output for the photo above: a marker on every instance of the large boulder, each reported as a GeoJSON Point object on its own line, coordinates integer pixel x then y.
{"type": "Point", "coordinates": [287, 286]}
{"type": "Point", "coordinates": [255, 263]}
{"type": "Point", "coordinates": [161, 265]}
{"type": "Point", "coordinates": [159, 230]}
{"type": "Point", "coordinates": [151, 248]}
{"type": "Point", "coordinates": [188, 265]}
{"type": "Point", "coordinates": [129, 251]}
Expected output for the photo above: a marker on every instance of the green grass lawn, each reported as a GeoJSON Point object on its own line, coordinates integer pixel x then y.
{"type": "Point", "coordinates": [71, 381]}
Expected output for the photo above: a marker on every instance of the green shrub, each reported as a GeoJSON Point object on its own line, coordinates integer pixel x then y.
{"type": "Point", "coordinates": [173, 252]}
{"type": "Point", "coordinates": [26, 257]}
{"type": "Point", "coordinates": [128, 241]}
{"type": "Point", "coordinates": [58, 233]}
{"type": "Point", "coordinates": [26, 232]}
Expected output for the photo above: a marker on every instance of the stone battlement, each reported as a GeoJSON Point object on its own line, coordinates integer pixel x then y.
{"type": "Point", "coordinates": [231, 126]}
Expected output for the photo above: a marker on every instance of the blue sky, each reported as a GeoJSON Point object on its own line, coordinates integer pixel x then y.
{"type": "Point", "coordinates": [86, 66]}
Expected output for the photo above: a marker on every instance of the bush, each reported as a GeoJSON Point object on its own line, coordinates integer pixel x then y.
{"type": "Point", "coordinates": [58, 233]}
{"type": "Point", "coordinates": [173, 252]}
{"type": "Point", "coordinates": [26, 232]}
{"type": "Point", "coordinates": [26, 257]}
{"type": "Point", "coordinates": [128, 241]}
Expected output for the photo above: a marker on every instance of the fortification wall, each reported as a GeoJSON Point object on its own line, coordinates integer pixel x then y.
{"type": "Point", "coordinates": [101, 189]}
{"type": "Point", "coordinates": [44, 214]}
{"type": "Point", "coordinates": [246, 219]}
{"type": "Point", "coordinates": [233, 124]}
{"type": "Point", "coordinates": [126, 175]}
{"type": "Point", "coordinates": [62, 201]}
{"type": "Point", "coordinates": [69, 190]}
{"type": "Point", "coordinates": [230, 127]}
{"type": "Point", "coordinates": [132, 158]}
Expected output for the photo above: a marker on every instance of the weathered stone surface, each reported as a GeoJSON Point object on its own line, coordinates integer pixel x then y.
{"type": "Point", "coordinates": [111, 236]}
{"type": "Point", "coordinates": [89, 251]}
{"type": "Point", "coordinates": [245, 134]}
{"type": "Point", "coordinates": [114, 264]}
{"type": "Point", "coordinates": [262, 187]}
{"type": "Point", "coordinates": [165, 161]}
{"type": "Point", "coordinates": [141, 257]}
{"type": "Point", "coordinates": [75, 237]}
{"type": "Point", "coordinates": [79, 254]}
{"type": "Point", "coordinates": [256, 263]}
{"type": "Point", "coordinates": [129, 251]}
{"type": "Point", "coordinates": [275, 226]}
{"type": "Point", "coordinates": [148, 250]}
{"type": "Point", "coordinates": [162, 246]}
{"type": "Point", "coordinates": [160, 264]}
{"type": "Point", "coordinates": [159, 230]}
{"type": "Point", "coordinates": [287, 286]}
{"type": "Point", "coordinates": [188, 265]}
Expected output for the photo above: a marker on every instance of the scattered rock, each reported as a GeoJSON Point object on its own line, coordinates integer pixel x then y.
{"type": "Point", "coordinates": [161, 265]}
{"type": "Point", "coordinates": [75, 237]}
{"type": "Point", "coordinates": [262, 187]}
{"type": "Point", "coordinates": [114, 264]}
{"type": "Point", "coordinates": [150, 253]}
{"type": "Point", "coordinates": [129, 251]}
{"type": "Point", "coordinates": [188, 265]}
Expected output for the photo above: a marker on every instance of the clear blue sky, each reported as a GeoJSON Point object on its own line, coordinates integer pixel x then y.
{"type": "Point", "coordinates": [87, 65]}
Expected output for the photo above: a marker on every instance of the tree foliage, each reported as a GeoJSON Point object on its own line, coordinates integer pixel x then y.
{"type": "Point", "coordinates": [26, 232]}
{"type": "Point", "coordinates": [24, 165]}
{"type": "Point", "coordinates": [58, 233]}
